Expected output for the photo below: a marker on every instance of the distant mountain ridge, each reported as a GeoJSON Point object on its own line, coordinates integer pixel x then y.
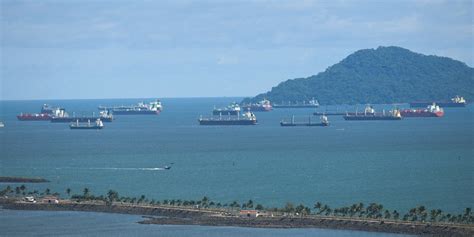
{"type": "Point", "coordinates": [383, 75]}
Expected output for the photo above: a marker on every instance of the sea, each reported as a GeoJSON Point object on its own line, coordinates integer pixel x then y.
{"type": "Point", "coordinates": [399, 164]}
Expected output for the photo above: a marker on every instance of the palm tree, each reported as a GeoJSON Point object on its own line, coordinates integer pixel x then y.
{"type": "Point", "coordinates": [306, 211]}
{"type": "Point", "coordinates": [395, 215]}
{"type": "Point", "coordinates": [47, 191]}
{"type": "Point", "coordinates": [433, 215]}
{"type": "Point", "coordinates": [289, 207]}
{"type": "Point", "coordinates": [259, 207]}
{"type": "Point", "coordinates": [250, 204]}
{"type": "Point", "coordinates": [86, 192]}
{"type": "Point", "coordinates": [317, 205]}
{"type": "Point", "coordinates": [112, 196]}
{"type": "Point", "coordinates": [299, 208]}
{"type": "Point", "coordinates": [68, 191]}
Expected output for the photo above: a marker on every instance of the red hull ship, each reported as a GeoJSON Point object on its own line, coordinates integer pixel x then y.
{"type": "Point", "coordinates": [431, 111]}
{"type": "Point", "coordinates": [34, 117]}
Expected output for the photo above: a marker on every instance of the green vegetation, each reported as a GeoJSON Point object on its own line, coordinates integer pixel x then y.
{"type": "Point", "coordinates": [373, 211]}
{"type": "Point", "coordinates": [382, 75]}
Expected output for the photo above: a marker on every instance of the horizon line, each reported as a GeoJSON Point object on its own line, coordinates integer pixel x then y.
{"type": "Point", "coordinates": [116, 98]}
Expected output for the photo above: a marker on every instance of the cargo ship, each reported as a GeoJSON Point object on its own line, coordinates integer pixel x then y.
{"type": "Point", "coordinates": [152, 108]}
{"type": "Point", "coordinates": [64, 117]}
{"type": "Point", "coordinates": [432, 110]}
{"type": "Point", "coordinates": [33, 117]}
{"type": "Point", "coordinates": [48, 109]}
{"type": "Point", "coordinates": [324, 122]}
{"type": "Point", "coordinates": [47, 112]}
{"type": "Point", "coordinates": [248, 118]}
{"type": "Point", "coordinates": [309, 104]}
{"type": "Point", "coordinates": [392, 115]}
{"type": "Point", "coordinates": [262, 106]}
{"type": "Point", "coordinates": [97, 125]}
{"type": "Point", "coordinates": [232, 109]}
{"type": "Point", "coordinates": [368, 110]}
{"type": "Point", "coordinates": [457, 101]}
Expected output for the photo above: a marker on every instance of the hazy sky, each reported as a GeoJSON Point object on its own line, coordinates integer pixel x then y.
{"type": "Point", "coordinates": [130, 49]}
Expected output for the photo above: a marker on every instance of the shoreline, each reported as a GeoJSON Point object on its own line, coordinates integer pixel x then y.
{"type": "Point", "coordinates": [164, 215]}
{"type": "Point", "coordinates": [13, 179]}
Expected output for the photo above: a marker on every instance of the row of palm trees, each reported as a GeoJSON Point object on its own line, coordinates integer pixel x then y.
{"type": "Point", "coordinates": [356, 210]}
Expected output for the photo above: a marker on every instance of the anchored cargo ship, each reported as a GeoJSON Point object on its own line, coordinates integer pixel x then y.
{"type": "Point", "coordinates": [232, 109]}
{"type": "Point", "coordinates": [324, 122]}
{"type": "Point", "coordinates": [457, 101]}
{"type": "Point", "coordinates": [432, 110]}
{"type": "Point", "coordinates": [263, 105]}
{"type": "Point", "coordinates": [97, 125]}
{"type": "Point", "coordinates": [368, 110]}
{"type": "Point", "coordinates": [47, 112]}
{"type": "Point", "coordinates": [64, 117]}
{"type": "Point", "coordinates": [309, 104]}
{"type": "Point", "coordinates": [391, 115]}
{"type": "Point", "coordinates": [33, 117]}
{"type": "Point", "coordinates": [248, 118]}
{"type": "Point", "coordinates": [48, 109]}
{"type": "Point", "coordinates": [152, 108]}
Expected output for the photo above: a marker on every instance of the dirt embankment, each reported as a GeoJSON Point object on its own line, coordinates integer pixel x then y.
{"type": "Point", "coordinates": [189, 216]}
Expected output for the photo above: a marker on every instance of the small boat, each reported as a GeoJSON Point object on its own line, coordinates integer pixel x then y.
{"type": "Point", "coordinates": [97, 125]}
{"type": "Point", "coordinates": [2, 125]}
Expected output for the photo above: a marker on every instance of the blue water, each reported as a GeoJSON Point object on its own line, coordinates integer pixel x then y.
{"type": "Point", "coordinates": [401, 164]}
{"type": "Point", "coordinates": [44, 223]}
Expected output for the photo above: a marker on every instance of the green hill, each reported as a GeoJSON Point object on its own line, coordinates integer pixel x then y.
{"type": "Point", "coordinates": [382, 75]}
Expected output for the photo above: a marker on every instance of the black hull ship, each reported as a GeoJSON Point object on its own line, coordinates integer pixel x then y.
{"type": "Point", "coordinates": [324, 122]}
{"type": "Point", "coordinates": [90, 126]}
{"type": "Point", "coordinates": [152, 108]}
{"type": "Point", "coordinates": [247, 118]}
{"type": "Point", "coordinates": [370, 114]}
{"type": "Point", "coordinates": [104, 116]}
{"type": "Point", "coordinates": [297, 105]}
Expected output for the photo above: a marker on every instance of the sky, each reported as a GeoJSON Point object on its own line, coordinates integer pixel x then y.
{"type": "Point", "coordinates": [84, 49]}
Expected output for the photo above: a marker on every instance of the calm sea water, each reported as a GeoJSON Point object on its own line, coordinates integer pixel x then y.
{"type": "Point", "coordinates": [400, 164]}
{"type": "Point", "coordinates": [44, 223]}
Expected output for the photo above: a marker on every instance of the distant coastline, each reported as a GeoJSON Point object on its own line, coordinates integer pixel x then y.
{"type": "Point", "coordinates": [169, 213]}
{"type": "Point", "coordinates": [172, 215]}
{"type": "Point", "coordinates": [10, 179]}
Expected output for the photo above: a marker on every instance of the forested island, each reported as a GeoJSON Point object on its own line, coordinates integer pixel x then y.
{"type": "Point", "coordinates": [383, 75]}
